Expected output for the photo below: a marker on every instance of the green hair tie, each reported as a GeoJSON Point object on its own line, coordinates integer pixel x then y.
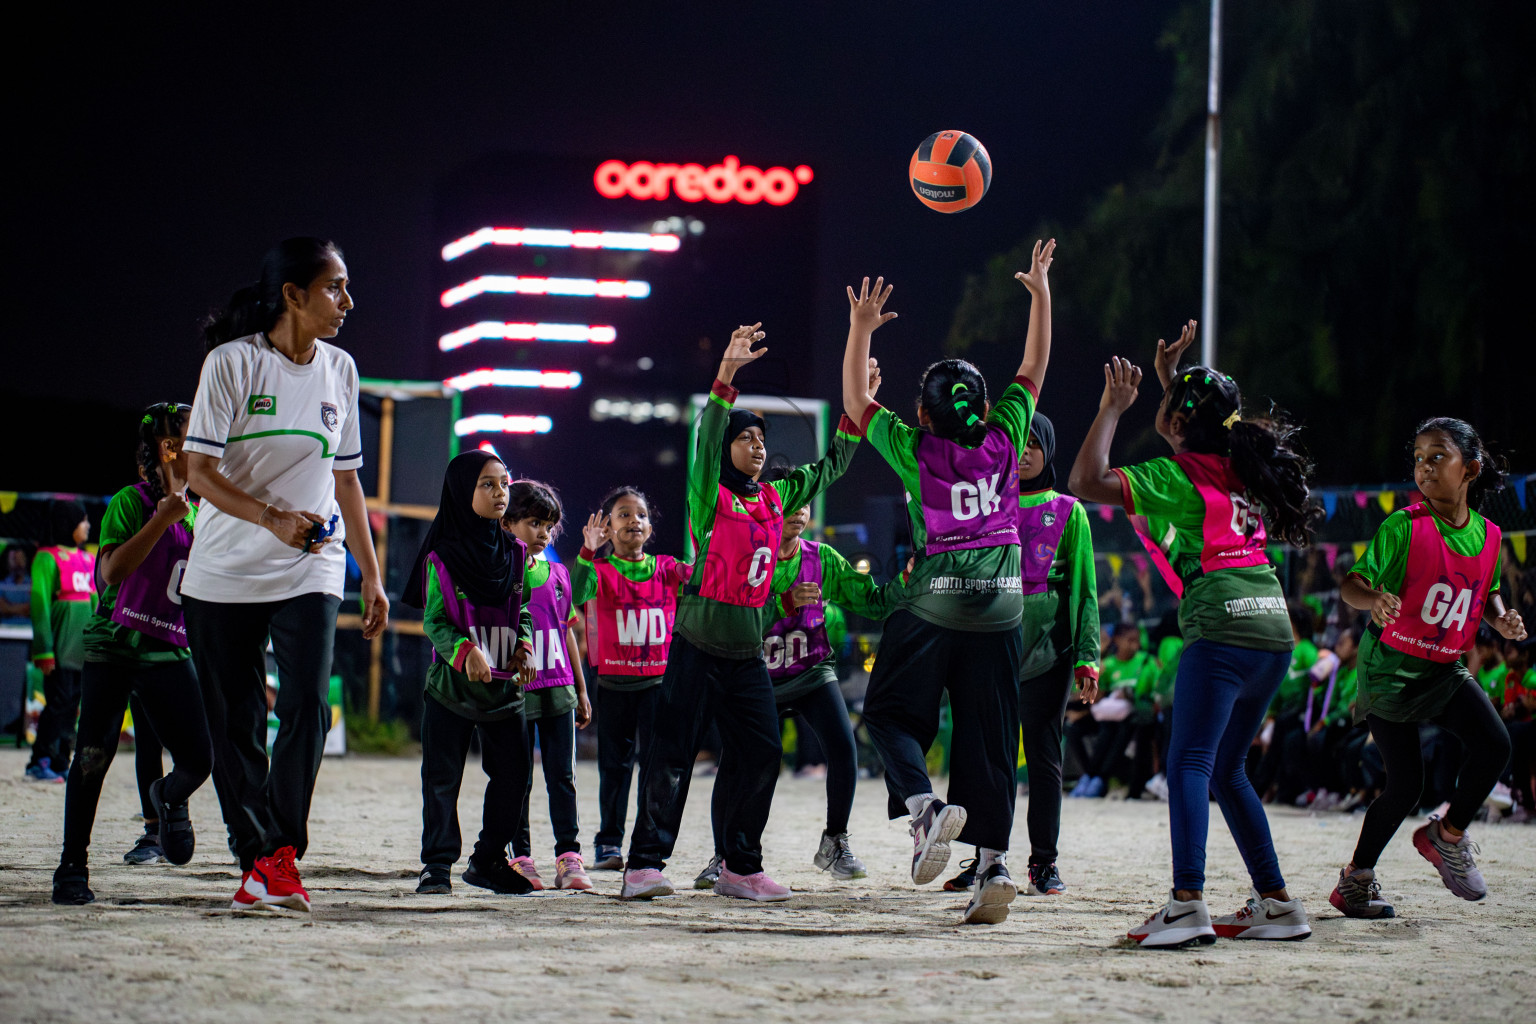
{"type": "Point", "coordinates": [148, 419]}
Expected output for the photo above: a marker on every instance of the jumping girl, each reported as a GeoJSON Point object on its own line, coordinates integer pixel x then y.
{"type": "Point", "coordinates": [1061, 644]}
{"type": "Point", "coordinates": [1430, 575]}
{"type": "Point", "coordinates": [1204, 507]}
{"type": "Point", "coordinates": [630, 599]}
{"type": "Point", "coordinates": [803, 666]}
{"type": "Point", "coordinates": [63, 599]}
{"type": "Point", "coordinates": [273, 448]}
{"type": "Point", "coordinates": [136, 645]}
{"type": "Point", "coordinates": [468, 581]}
{"type": "Point", "coordinates": [715, 669]}
{"type": "Point", "coordinates": [555, 703]}
{"type": "Point", "coordinates": [957, 626]}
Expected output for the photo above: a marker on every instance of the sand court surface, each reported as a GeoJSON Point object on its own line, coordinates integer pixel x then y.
{"type": "Point", "coordinates": [160, 943]}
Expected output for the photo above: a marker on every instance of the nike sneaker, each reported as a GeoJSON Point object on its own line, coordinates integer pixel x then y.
{"type": "Point", "coordinates": [1179, 923]}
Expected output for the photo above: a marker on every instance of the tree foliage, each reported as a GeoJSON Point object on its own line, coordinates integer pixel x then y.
{"type": "Point", "coordinates": [1376, 248]}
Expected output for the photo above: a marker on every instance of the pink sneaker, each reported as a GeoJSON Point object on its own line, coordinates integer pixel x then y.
{"type": "Point", "coordinates": [526, 867]}
{"type": "Point", "coordinates": [570, 872]}
{"type": "Point", "coordinates": [758, 887]}
{"type": "Point", "coordinates": [644, 884]}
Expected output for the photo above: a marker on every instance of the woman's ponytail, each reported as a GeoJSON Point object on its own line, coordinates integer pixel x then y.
{"type": "Point", "coordinates": [256, 308]}
{"type": "Point", "coordinates": [954, 395]}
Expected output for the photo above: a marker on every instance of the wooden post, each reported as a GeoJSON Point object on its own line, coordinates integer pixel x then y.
{"type": "Point", "coordinates": [381, 545]}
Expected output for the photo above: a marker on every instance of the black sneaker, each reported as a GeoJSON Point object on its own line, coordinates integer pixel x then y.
{"type": "Point", "coordinates": [965, 879]}
{"type": "Point", "coordinates": [146, 850]}
{"type": "Point", "coordinates": [435, 881]}
{"type": "Point", "coordinates": [70, 888]}
{"type": "Point", "coordinates": [994, 891]}
{"type": "Point", "coordinates": [608, 858]}
{"type": "Point", "coordinates": [176, 837]}
{"type": "Point", "coordinates": [1044, 880]}
{"type": "Point", "coordinates": [497, 876]}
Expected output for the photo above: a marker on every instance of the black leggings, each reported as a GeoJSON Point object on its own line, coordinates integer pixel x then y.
{"type": "Point", "coordinates": [826, 716]}
{"type": "Point", "coordinates": [916, 663]}
{"type": "Point", "coordinates": [148, 755]}
{"type": "Point", "coordinates": [169, 694]}
{"type": "Point", "coordinates": [265, 800]}
{"type": "Point", "coordinates": [445, 737]}
{"type": "Point", "coordinates": [557, 756]}
{"type": "Point", "coordinates": [625, 719]}
{"type": "Point", "coordinates": [1470, 716]}
{"type": "Point", "coordinates": [1042, 704]}
{"type": "Point", "coordinates": [55, 738]}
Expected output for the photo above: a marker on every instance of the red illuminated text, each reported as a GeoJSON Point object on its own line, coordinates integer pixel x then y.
{"type": "Point", "coordinates": [725, 182]}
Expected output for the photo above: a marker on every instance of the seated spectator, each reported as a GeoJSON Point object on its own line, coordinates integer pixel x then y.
{"type": "Point", "coordinates": [1112, 723]}
{"type": "Point", "coordinates": [1309, 666]}
{"type": "Point", "coordinates": [16, 584]}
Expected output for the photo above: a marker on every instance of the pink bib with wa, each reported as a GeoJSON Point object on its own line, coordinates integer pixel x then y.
{"type": "Point", "coordinates": [1443, 593]}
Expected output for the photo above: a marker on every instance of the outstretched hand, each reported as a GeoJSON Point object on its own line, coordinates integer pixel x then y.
{"type": "Point", "coordinates": [595, 534]}
{"type": "Point", "coordinates": [740, 351]}
{"type": "Point", "coordinates": [864, 309]}
{"type": "Point", "coordinates": [1121, 380]}
{"type": "Point", "coordinates": [1039, 266]}
{"type": "Point", "coordinates": [1168, 356]}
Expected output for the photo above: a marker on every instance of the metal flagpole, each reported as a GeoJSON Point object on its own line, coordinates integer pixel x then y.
{"type": "Point", "coordinates": [1212, 192]}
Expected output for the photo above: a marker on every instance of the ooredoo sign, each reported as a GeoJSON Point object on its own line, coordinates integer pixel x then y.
{"type": "Point", "coordinates": [725, 182]}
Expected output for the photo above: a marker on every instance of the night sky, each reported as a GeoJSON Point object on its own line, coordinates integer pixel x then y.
{"type": "Point", "coordinates": [155, 158]}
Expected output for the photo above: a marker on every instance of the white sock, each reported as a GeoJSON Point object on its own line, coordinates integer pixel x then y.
{"type": "Point", "coordinates": [916, 804]}
{"type": "Point", "coordinates": [985, 858]}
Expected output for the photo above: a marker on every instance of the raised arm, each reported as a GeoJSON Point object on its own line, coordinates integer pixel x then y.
{"type": "Point", "coordinates": [859, 371]}
{"type": "Point", "coordinates": [1037, 343]}
{"type": "Point", "coordinates": [1092, 479]}
{"type": "Point", "coordinates": [1168, 356]}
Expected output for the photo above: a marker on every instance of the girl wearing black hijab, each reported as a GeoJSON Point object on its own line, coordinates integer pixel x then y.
{"type": "Point", "coordinates": [1061, 643]}
{"type": "Point", "coordinates": [715, 667]}
{"type": "Point", "coordinates": [468, 581]}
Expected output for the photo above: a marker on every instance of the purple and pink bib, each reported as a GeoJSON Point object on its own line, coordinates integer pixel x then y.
{"type": "Point", "coordinates": [799, 641]}
{"type": "Point", "coordinates": [969, 496]}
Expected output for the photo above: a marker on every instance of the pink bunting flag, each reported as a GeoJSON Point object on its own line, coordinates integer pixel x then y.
{"type": "Point", "coordinates": [1107, 513]}
{"type": "Point", "coordinates": [1331, 553]}
{"type": "Point", "coordinates": [1362, 498]}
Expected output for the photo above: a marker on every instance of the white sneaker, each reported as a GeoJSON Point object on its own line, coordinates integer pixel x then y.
{"type": "Point", "coordinates": [932, 832]}
{"type": "Point", "coordinates": [1262, 918]}
{"type": "Point", "coordinates": [989, 902]}
{"type": "Point", "coordinates": [1157, 785]}
{"type": "Point", "coordinates": [1501, 798]}
{"type": "Point", "coordinates": [1178, 923]}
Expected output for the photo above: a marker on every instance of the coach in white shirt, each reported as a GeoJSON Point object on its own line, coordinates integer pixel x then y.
{"type": "Point", "coordinates": [273, 449]}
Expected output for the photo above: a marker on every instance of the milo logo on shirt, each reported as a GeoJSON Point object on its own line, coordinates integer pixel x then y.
{"type": "Point", "coordinates": [261, 405]}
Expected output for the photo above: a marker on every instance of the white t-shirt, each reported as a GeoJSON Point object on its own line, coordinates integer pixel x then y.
{"type": "Point", "coordinates": [279, 430]}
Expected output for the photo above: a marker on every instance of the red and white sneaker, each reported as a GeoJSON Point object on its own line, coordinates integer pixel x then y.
{"type": "Point", "coordinates": [529, 870]}
{"type": "Point", "coordinates": [279, 877]}
{"type": "Point", "coordinates": [1264, 918]}
{"type": "Point", "coordinates": [571, 873]}
{"type": "Point", "coordinates": [250, 893]}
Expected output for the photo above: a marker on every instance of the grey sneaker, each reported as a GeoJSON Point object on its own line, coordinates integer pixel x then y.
{"type": "Point", "coordinates": [709, 876]}
{"type": "Point", "coordinates": [932, 832]}
{"type": "Point", "coordinates": [835, 855]}
{"type": "Point", "coordinates": [989, 902]}
{"type": "Point", "coordinates": [1263, 918]}
{"type": "Point", "coordinates": [1452, 859]}
{"type": "Point", "coordinates": [146, 850]}
{"type": "Point", "coordinates": [1358, 894]}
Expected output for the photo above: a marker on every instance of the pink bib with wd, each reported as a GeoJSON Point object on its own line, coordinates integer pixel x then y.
{"type": "Point", "coordinates": [629, 623]}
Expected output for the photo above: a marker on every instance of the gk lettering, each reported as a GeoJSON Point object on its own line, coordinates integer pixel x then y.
{"type": "Point", "coordinates": [82, 582]}
{"type": "Point", "coordinates": [643, 626]}
{"type": "Point", "coordinates": [967, 500]}
{"type": "Point", "coordinates": [1446, 607]}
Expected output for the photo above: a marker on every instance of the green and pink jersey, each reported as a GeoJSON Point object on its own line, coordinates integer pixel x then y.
{"type": "Point", "coordinates": [1444, 576]}
{"type": "Point", "coordinates": [736, 537]}
{"type": "Point", "coordinates": [1211, 541]}
{"type": "Point", "coordinates": [631, 608]}
{"type": "Point", "coordinates": [63, 600]}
